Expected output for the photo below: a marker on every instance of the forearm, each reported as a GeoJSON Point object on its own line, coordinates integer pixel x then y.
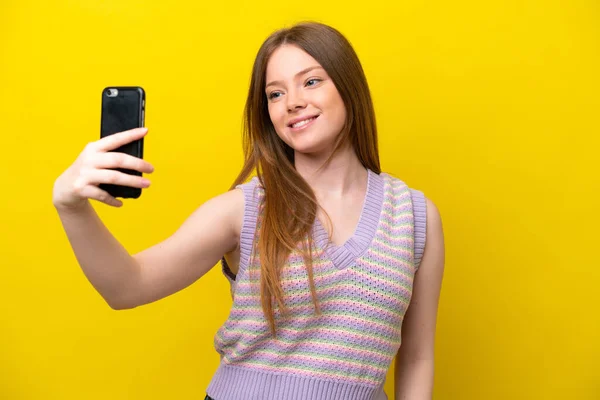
{"type": "Point", "coordinates": [104, 261]}
{"type": "Point", "coordinates": [413, 379]}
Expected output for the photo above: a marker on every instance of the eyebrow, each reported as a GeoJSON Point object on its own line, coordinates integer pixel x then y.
{"type": "Point", "coordinates": [304, 71]}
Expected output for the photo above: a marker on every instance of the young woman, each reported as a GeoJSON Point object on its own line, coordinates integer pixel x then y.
{"type": "Point", "coordinates": [333, 264]}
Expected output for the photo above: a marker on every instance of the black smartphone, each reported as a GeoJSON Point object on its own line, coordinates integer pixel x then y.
{"type": "Point", "coordinates": [123, 108]}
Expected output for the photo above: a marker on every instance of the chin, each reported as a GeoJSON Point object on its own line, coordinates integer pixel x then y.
{"type": "Point", "coordinates": [311, 143]}
{"type": "Point", "coordinates": [311, 148]}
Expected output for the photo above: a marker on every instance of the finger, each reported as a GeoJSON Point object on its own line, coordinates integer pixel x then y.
{"type": "Point", "coordinates": [122, 160]}
{"type": "Point", "coordinates": [119, 139]}
{"type": "Point", "coordinates": [94, 192]}
{"type": "Point", "coordinates": [98, 176]}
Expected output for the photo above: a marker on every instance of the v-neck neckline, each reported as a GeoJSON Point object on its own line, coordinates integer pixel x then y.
{"type": "Point", "coordinates": [346, 254]}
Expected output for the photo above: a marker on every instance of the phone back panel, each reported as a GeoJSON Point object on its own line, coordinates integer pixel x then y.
{"type": "Point", "coordinates": [123, 109]}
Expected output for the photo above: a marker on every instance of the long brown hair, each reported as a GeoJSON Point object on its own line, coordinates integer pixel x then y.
{"type": "Point", "coordinates": [290, 206]}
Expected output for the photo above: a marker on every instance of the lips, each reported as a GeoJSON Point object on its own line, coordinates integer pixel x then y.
{"type": "Point", "coordinates": [301, 121]}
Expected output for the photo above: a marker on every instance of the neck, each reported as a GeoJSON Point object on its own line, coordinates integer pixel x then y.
{"type": "Point", "coordinates": [344, 174]}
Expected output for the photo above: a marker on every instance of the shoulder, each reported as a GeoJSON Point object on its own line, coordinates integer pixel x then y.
{"type": "Point", "coordinates": [398, 188]}
{"type": "Point", "coordinates": [434, 242]}
{"type": "Point", "coordinates": [395, 184]}
{"type": "Point", "coordinates": [433, 214]}
{"type": "Point", "coordinates": [428, 221]}
{"type": "Point", "coordinates": [418, 196]}
{"type": "Point", "coordinates": [251, 189]}
{"type": "Point", "coordinates": [434, 219]}
{"type": "Point", "coordinates": [230, 205]}
{"type": "Point", "coordinates": [242, 202]}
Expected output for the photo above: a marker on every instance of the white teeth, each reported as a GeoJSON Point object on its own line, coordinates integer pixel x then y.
{"type": "Point", "coordinates": [302, 123]}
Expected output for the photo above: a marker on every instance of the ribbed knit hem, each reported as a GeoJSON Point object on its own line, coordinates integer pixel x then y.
{"type": "Point", "coordinates": [240, 383]}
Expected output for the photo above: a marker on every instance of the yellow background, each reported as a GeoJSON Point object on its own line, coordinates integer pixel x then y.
{"type": "Point", "coordinates": [490, 108]}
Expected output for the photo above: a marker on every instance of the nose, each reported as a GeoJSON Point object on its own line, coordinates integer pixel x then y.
{"type": "Point", "coordinates": [295, 100]}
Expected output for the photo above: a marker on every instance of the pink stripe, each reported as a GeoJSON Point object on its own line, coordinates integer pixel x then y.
{"type": "Point", "coordinates": [405, 219]}
{"type": "Point", "coordinates": [383, 239]}
{"type": "Point", "coordinates": [387, 282]}
{"type": "Point", "coordinates": [359, 324]}
{"type": "Point", "coordinates": [402, 270]}
{"type": "Point", "coordinates": [240, 349]}
{"type": "Point", "coordinates": [348, 289]}
{"type": "Point", "coordinates": [344, 365]}
{"type": "Point", "coordinates": [320, 330]}
{"type": "Point", "coordinates": [402, 229]}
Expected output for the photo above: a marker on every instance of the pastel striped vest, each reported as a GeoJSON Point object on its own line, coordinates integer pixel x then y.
{"type": "Point", "coordinates": [364, 288]}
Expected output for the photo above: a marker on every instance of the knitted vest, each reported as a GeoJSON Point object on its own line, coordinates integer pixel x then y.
{"type": "Point", "coordinates": [364, 288]}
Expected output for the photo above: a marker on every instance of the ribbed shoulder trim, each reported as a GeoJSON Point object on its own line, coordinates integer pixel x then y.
{"type": "Point", "coordinates": [252, 198]}
{"type": "Point", "coordinates": [420, 215]}
{"type": "Point", "coordinates": [251, 202]}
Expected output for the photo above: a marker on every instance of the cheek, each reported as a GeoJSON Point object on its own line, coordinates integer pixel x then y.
{"type": "Point", "coordinates": [332, 100]}
{"type": "Point", "coordinates": [275, 114]}
{"type": "Point", "coordinates": [339, 109]}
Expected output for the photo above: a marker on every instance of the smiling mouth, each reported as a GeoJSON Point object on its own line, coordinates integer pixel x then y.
{"type": "Point", "coordinates": [304, 122]}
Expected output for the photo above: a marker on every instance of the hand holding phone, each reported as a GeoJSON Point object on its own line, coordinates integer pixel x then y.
{"type": "Point", "coordinates": [99, 164]}
{"type": "Point", "coordinates": [111, 166]}
{"type": "Point", "coordinates": [123, 108]}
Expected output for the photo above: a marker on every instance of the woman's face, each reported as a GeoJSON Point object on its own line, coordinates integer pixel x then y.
{"type": "Point", "coordinates": [305, 107]}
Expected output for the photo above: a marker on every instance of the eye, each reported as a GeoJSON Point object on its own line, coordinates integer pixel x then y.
{"type": "Point", "coordinates": [274, 95]}
{"type": "Point", "coordinates": [313, 81]}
